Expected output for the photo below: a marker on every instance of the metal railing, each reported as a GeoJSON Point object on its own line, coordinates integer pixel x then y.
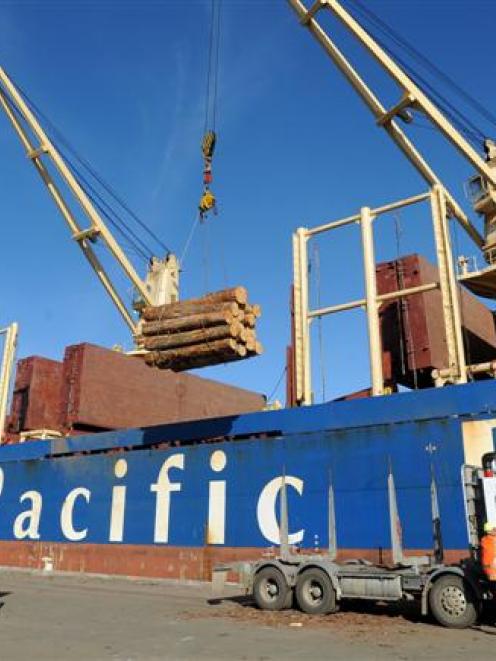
{"type": "Point", "coordinates": [456, 369]}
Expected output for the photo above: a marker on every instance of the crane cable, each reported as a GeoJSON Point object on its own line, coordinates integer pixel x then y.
{"type": "Point", "coordinates": [426, 63]}
{"type": "Point", "coordinates": [65, 148]}
{"type": "Point", "coordinates": [464, 124]}
{"type": "Point", "coordinates": [207, 201]}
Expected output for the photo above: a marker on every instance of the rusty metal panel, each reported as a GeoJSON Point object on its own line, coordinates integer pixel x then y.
{"type": "Point", "coordinates": [290, 357]}
{"type": "Point", "coordinates": [108, 390]}
{"type": "Point", "coordinates": [413, 330]}
{"type": "Point", "coordinates": [178, 562]}
{"type": "Point", "coordinates": [36, 395]}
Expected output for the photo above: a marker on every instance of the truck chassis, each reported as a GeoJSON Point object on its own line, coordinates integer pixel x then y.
{"type": "Point", "coordinates": [453, 594]}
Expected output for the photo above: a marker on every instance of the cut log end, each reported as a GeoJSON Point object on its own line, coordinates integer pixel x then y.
{"type": "Point", "coordinates": [255, 310]}
{"type": "Point", "coordinates": [217, 328]}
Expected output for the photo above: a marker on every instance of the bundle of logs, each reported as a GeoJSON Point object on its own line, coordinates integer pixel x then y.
{"type": "Point", "coordinates": [217, 328]}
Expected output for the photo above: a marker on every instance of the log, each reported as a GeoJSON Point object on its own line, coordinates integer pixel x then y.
{"type": "Point", "coordinates": [251, 343]}
{"type": "Point", "coordinates": [258, 349]}
{"type": "Point", "coordinates": [236, 295]}
{"type": "Point", "coordinates": [187, 308]}
{"type": "Point", "coordinates": [250, 334]}
{"type": "Point", "coordinates": [193, 337]}
{"type": "Point", "coordinates": [175, 358]}
{"type": "Point", "coordinates": [243, 334]}
{"type": "Point", "coordinates": [192, 321]}
{"type": "Point", "coordinates": [198, 361]}
{"type": "Point", "coordinates": [249, 320]}
{"type": "Point", "coordinates": [208, 361]}
{"type": "Point", "coordinates": [253, 309]}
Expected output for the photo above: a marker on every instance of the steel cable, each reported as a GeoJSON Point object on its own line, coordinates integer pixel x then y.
{"type": "Point", "coordinates": [58, 135]}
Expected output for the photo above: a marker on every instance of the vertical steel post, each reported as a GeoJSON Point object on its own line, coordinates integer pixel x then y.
{"type": "Point", "coordinates": [449, 287]}
{"type": "Point", "coordinates": [301, 321]}
{"type": "Point", "coordinates": [6, 368]}
{"type": "Point", "coordinates": [372, 306]}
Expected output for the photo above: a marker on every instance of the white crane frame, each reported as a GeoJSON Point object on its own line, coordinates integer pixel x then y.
{"type": "Point", "coordinates": [456, 370]}
{"type": "Point", "coordinates": [10, 334]}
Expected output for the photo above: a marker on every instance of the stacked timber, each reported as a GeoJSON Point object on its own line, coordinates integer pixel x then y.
{"type": "Point", "coordinates": [217, 328]}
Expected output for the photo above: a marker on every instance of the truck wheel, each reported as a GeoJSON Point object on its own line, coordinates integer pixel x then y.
{"type": "Point", "coordinates": [314, 592]}
{"type": "Point", "coordinates": [270, 590]}
{"type": "Point", "coordinates": [452, 602]}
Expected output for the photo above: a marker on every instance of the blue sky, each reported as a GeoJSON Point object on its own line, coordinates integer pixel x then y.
{"type": "Point", "coordinates": [125, 83]}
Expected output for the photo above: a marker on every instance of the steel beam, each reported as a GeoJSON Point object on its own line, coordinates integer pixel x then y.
{"type": "Point", "coordinates": [6, 369]}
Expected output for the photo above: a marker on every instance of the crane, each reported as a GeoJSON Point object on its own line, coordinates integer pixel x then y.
{"type": "Point", "coordinates": [482, 185]}
{"type": "Point", "coordinates": [481, 188]}
{"type": "Point", "coordinates": [161, 284]}
{"type": "Point", "coordinates": [7, 360]}
{"type": "Point", "coordinates": [192, 344]}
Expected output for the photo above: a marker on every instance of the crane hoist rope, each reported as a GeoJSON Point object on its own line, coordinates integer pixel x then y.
{"type": "Point", "coordinates": [71, 156]}
{"type": "Point", "coordinates": [462, 122]}
{"type": "Point", "coordinates": [423, 60]}
{"type": "Point", "coordinates": [106, 206]}
{"type": "Point", "coordinates": [452, 110]}
{"type": "Point", "coordinates": [207, 201]}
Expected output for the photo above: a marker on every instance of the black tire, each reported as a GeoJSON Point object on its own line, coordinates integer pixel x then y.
{"type": "Point", "coordinates": [314, 592]}
{"type": "Point", "coordinates": [453, 603]}
{"type": "Point", "coordinates": [270, 590]}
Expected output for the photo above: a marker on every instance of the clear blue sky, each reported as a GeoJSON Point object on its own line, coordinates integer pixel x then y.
{"type": "Point", "coordinates": [125, 82]}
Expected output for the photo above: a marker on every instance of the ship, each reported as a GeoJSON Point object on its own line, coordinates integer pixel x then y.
{"type": "Point", "coordinates": [172, 500]}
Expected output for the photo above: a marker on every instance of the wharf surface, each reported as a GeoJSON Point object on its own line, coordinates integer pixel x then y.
{"type": "Point", "coordinates": [69, 616]}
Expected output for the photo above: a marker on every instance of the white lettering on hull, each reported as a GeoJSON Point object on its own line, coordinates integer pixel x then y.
{"type": "Point", "coordinates": [217, 501]}
{"type": "Point", "coordinates": [27, 524]}
{"type": "Point", "coordinates": [66, 514]}
{"type": "Point", "coordinates": [163, 488]}
{"type": "Point", "coordinates": [266, 509]}
{"type": "Point", "coordinates": [118, 507]}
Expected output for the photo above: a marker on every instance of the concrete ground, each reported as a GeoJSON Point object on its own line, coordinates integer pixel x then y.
{"type": "Point", "coordinates": [65, 616]}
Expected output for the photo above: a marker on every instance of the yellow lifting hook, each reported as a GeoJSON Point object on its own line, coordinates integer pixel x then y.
{"type": "Point", "coordinates": [207, 201]}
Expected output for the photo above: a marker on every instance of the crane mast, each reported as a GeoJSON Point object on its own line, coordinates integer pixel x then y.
{"type": "Point", "coordinates": [162, 281]}
{"type": "Point", "coordinates": [412, 97]}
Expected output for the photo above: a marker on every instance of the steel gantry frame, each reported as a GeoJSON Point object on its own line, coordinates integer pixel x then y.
{"type": "Point", "coordinates": [9, 334]}
{"type": "Point", "coordinates": [456, 371]}
{"type": "Point", "coordinates": [162, 282]}
{"type": "Point", "coordinates": [443, 207]}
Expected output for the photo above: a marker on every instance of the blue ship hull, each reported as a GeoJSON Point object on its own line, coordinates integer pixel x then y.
{"type": "Point", "coordinates": [170, 500]}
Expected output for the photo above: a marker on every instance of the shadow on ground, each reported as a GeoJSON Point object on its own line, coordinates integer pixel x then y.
{"type": "Point", "coordinates": [2, 595]}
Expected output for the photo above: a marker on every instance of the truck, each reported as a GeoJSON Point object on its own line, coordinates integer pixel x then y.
{"type": "Point", "coordinates": [317, 583]}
